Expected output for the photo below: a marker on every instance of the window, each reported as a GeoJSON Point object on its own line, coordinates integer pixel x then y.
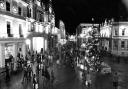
{"type": "Point", "coordinates": [9, 29]}
{"type": "Point", "coordinates": [123, 32]}
{"type": "Point", "coordinates": [19, 10]}
{"type": "Point", "coordinates": [115, 44]}
{"type": "Point", "coordinates": [20, 49]}
{"type": "Point", "coordinates": [40, 17]}
{"type": "Point", "coordinates": [116, 33]}
{"type": "Point", "coordinates": [122, 44]}
{"type": "Point", "coordinates": [20, 30]}
{"type": "Point", "coordinates": [7, 6]}
{"type": "Point", "coordinates": [28, 12]}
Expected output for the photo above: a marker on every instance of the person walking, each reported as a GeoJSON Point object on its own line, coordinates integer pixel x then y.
{"type": "Point", "coordinates": [115, 80]}
{"type": "Point", "coordinates": [29, 70]}
{"type": "Point", "coordinates": [35, 82]}
{"type": "Point", "coordinates": [7, 74]}
{"type": "Point", "coordinates": [52, 78]}
{"type": "Point", "coordinates": [25, 74]}
{"type": "Point", "coordinates": [88, 80]}
{"type": "Point", "coordinates": [47, 76]}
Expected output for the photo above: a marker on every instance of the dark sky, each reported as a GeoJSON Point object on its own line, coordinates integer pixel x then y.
{"type": "Point", "coordinates": [74, 12]}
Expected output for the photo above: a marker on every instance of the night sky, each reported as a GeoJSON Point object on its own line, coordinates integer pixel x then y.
{"type": "Point", "coordinates": [74, 12]}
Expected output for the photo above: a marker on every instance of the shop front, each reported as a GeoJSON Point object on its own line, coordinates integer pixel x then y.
{"type": "Point", "coordinates": [9, 51]}
{"type": "Point", "coordinates": [38, 43]}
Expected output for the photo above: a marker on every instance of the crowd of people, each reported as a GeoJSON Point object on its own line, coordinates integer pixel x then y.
{"type": "Point", "coordinates": [33, 65]}
{"type": "Point", "coordinates": [37, 64]}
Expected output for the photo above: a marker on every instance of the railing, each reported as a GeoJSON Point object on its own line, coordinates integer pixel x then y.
{"type": "Point", "coordinates": [5, 35]}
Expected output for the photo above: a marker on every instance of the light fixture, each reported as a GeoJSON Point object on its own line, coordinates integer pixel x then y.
{"type": "Point", "coordinates": [2, 5]}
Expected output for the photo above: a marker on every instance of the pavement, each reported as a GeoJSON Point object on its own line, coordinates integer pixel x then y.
{"type": "Point", "coordinates": [65, 78]}
{"type": "Point", "coordinates": [68, 78]}
{"type": "Point", "coordinates": [121, 69]}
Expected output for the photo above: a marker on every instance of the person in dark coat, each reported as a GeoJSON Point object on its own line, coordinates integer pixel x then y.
{"type": "Point", "coordinates": [7, 74]}
{"type": "Point", "coordinates": [115, 80]}
{"type": "Point", "coordinates": [29, 70]}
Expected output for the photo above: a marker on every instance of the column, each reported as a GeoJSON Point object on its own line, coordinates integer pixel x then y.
{"type": "Point", "coordinates": [43, 44]}
{"type": "Point", "coordinates": [24, 49]}
{"type": "Point", "coordinates": [31, 44]}
{"type": "Point", "coordinates": [2, 55]}
{"type": "Point", "coordinates": [15, 50]}
{"type": "Point", "coordinates": [15, 55]}
{"type": "Point", "coordinates": [46, 45]}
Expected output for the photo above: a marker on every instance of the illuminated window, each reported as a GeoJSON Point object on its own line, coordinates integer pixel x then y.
{"type": "Point", "coordinates": [122, 44]}
{"type": "Point", "coordinates": [7, 6]}
{"type": "Point", "coordinates": [19, 10]}
{"type": "Point", "coordinates": [123, 32]}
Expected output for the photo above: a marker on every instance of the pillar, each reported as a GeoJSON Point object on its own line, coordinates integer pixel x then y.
{"type": "Point", "coordinates": [31, 44]}
{"type": "Point", "coordinates": [15, 51]}
{"type": "Point", "coordinates": [46, 44]}
{"type": "Point", "coordinates": [43, 44]}
{"type": "Point", "coordinates": [2, 55]}
{"type": "Point", "coordinates": [24, 49]}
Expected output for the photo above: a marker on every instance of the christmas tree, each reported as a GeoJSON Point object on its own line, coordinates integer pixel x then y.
{"type": "Point", "coordinates": [92, 52]}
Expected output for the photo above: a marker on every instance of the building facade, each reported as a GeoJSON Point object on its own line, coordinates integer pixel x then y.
{"type": "Point", "coordinates": [13, 29]}
{"type": "Point", "coordinates": [37, 23]}
{"type": "Point", "coordinates": [114, 38]}
{"type": "Point", "coordinates": [120, 38]}
{"type": "Point", "coordinates": [106, 36]}
{"type": "Point", "coordinates": [25, 25]}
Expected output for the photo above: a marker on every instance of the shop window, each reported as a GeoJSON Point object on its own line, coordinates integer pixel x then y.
{"type": "Point", "coordinates": [19, 10]}
{"type": "Point", "coordinates": [7, 6]}
{"type": "Point", "coordinates": [122, 44]}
